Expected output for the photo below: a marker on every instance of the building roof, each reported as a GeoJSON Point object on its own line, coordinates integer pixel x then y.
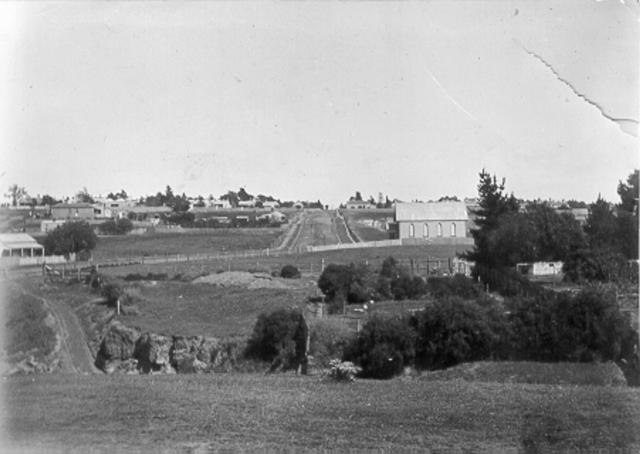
{"type": "Point", "coordinates": [146, 209]}
{"type": "Point", "coordinates": [431, 211]}
{"type": "Point", "coordinates": [73, 205]}
{"type": "Point", "coordinates": [18, 241]}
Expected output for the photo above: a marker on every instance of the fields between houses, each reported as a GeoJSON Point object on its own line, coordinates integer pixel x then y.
{"type": "Point", "coordinates": [194, 241]}
{"type": "Point", "coordinates": [308, 262]}
{"type": "Point", "coordinates": [246, 412]}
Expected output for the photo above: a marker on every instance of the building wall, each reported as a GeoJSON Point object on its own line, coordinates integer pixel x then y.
{"type": "Point", "coordinates": [405, 229]}
{"type": "Point", "coordinates": [72, 213]}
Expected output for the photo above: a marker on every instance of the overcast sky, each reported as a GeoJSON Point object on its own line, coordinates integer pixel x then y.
{"type": "Point", "coordinates": [318, 100]}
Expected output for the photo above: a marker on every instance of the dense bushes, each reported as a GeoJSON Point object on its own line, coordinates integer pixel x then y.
{"type": "Point", "coordinates": [347, 283]}
{"type": "Point", "coordinates": [548, 327]}
{"type": "Point", "coordinates": [359, 283]}
{"type": "Point", "coordinates": [289, 272]}
{"type": "Point", "coordinates": [584, 327]}
{"type": "Point", "coordinates": [116, 227]}
{"type": "Point", "coordinates": [458, 285]}
{"type": "Point", "coordinates": [451, 331]}
{"type": "Point", "coordinates": [383, 348]}
{"type": "Point", "coordinates": [279, 337]}
{"type": "Point", "coordinates": [70, 237]}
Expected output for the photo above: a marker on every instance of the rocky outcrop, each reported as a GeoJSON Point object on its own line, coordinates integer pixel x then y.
{"type": "Point", "coordinates": [152, 353]}
{"type": "Point", "coordinates": [197, 354]}
{"type": "Point", "coordinates": [125, 350]}
{"type": "Point", "coordinates": [118, 345]}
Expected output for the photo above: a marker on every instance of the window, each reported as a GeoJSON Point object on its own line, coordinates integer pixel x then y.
{"type": "Point", "coordinates": [439, 229]}
{"type": "Point", "coordinates": [412, 230]}
{"type": "Point", "coordinates": [425, 231]}
{"type": "Point", "coordinates": [453, 229]}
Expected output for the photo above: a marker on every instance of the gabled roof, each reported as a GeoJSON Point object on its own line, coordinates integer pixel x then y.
{"type": "Point", "coordinates": [431, 211]}
{"type": "Point", "coordinates": [18, 241]}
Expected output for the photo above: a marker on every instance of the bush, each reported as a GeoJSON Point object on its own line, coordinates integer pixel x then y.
{"type": "Point", "coordinates": [407, 287]}
{"type": "Point", "coordinates": [279, 337]}
{"type": "Point", "coordinates": [451, 331]}
{"type": "Point", "coordinates": [111, 293]}
{"type": "Point", "coordinates": [350, 283]}
{"type": "Point", "coordinates": [383, 348]}
{"type": "Point", "coordinates": [116, 227]}
{"type": "Point", "coordinates": [289, 272]}
{"type": "Point", "coordinates": [458, 285]}
{"type": "Point", "coordinates": [584, 327]}
{"type": "Point", "coordinates": [394, 281]}
{"type": "Point", "coordinates": [328, 339]}
{"type": "Point", "coordinates": [70, 237]}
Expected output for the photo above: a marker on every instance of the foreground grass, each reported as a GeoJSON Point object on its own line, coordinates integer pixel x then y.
{"type": "Point", "coordinates": [198, 413]}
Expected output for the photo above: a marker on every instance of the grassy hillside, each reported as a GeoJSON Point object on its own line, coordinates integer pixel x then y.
{"type": "Point", "coordinates": [202, 309]}
{"type": "Point", "coordinates": [203, 413]}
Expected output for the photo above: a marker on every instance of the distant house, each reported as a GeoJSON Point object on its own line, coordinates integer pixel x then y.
{"type": "Point", "coordinates": [218, 204]}
{"type": "Point", "coordinates": [353, 204]}
{"type": "Point", "coordinates": [270, 204]}
{"type": "Point", "coordinates": [273, 217]}
{"type": "Point", "coordinates": [540, 268]}
{"type": "Point", "coordinates": [580, 214]}
{"type": "Point", "coordinates": [431, 220]}
{"type": "Point", "coordinates": [251, 203]}
{"type": "Point", "coordinates": [73, 211]}
{"type": "Point", "coordinates": [144, 213]}
{"type": "Point", "coordinates": [20, 245]}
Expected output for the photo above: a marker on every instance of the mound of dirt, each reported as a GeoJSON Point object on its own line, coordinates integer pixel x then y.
{"type": "Point", "coordinates": [599, 374]}
{"type": "Point", "coordinates": [243, 279]}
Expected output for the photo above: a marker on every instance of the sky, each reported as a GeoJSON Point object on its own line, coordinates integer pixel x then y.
{"type": "Point", "coordinates": [317, 100]}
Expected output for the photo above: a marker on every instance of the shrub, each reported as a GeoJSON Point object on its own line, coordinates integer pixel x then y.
{"type": "Point", "coordinates": [452, 330]}
{"type": "Point", "coordinates": [458, 285]}
{"type": "Point", "coordinates": [328, 339]}
{"type": "Point", "coordinates": [289, 272]}
{"type": "Point", "coordinates": [350, 283]}
{"type": "Point", "coordinates": [407, 287]}
{"type": "Point", "coordinates": [584, 327]}
{"type": "Point", "coordinates": [343, 371]}
{"type": "Point", "coordinates": [116, 227]}
{"type": "Point", "coordinates": [394, 281]}
{"type": "Point", "coordinates": [383, 348]}
{"type": "Point", "coordinates": [279, 336]}
{"type": "Point", "coordinates": [111, 293]}
{"type": "Point", "coordinates": [70, 237]}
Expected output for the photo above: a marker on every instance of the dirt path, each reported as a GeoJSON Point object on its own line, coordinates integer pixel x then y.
{"type": "Point", "coordinates": [75, 354]}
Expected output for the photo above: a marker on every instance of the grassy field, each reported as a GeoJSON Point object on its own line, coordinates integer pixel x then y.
{"type": "Point", "coordinates": [242, 412]}
{"type": "Point", "coordinates": [191, 242]}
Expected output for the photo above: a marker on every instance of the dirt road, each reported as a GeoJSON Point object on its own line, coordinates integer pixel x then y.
{"type": "Point", "coordinates": [74, 351]}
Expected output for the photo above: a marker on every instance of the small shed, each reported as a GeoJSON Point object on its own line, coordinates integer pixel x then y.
{"type": "Point", "coordinates": [540, 268]}
{"type": "Point", "coordinates": [20, 245]}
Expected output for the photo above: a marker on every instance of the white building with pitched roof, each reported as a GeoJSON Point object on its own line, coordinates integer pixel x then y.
{"type": "Point", "coordinates": [20, 245]}
{"type": "Point", "coordinates": [431, 220]}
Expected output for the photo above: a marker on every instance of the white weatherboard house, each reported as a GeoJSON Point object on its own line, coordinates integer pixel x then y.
{"type": "Point", "coordinates": [431, 220]}
{"type": "Point", "coordinates": [20, 245]}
